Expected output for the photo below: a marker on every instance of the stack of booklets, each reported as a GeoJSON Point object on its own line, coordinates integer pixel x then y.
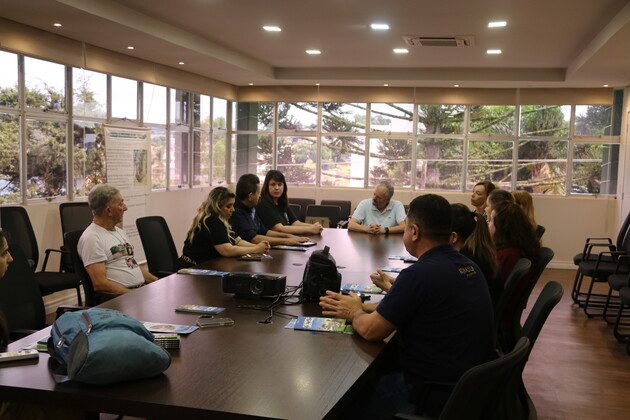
{"type": "Point", "coordinates": [321, 324]}
{"type": "Point", "coordinates": [199, 309]}
{"type": "Point", "coordinates": [393, 269]}
{"type": "Point", "coordinates": [405, 258]}
{"type": "Point", "coordinates": [167, 341]}
{"type": "Point", "coordinates": [362, 288]}
{"type": "Point", "coordinates": [202, 272]}
{"type": "Point", "coordinates": [255, 257]}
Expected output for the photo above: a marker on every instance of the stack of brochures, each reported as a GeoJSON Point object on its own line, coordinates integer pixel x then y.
{"type": "Point", "coordinates": [199, 309]}
{"type": "Point", "coordinates": [321, 324]}
{"type": "Point", "coordinates": [202, 272]}
{"type": "Point", "coordinates": [405, 258]}
{"type": "Point", "coordinates": [167, 341]}
{"type": "Point", "coordinates": [362, 288]}
{"type": "Point", "coordinates": [160, 327]}
{"type": "Point", "coordinates": [393, 269]}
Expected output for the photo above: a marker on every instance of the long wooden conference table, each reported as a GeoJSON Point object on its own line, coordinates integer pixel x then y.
{"type": "Point", "coordinates": [249, 369]}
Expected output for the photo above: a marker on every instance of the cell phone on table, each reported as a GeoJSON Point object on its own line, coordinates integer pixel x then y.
{"type": "Point", "coordinates": [204, 322]}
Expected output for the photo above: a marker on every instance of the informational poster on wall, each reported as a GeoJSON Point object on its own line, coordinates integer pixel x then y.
{"type": "Point", "coordinates": [128, 155]}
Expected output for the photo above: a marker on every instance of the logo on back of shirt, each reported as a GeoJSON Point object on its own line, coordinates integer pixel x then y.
{"type": "Point", "coordinates": [467, 271]}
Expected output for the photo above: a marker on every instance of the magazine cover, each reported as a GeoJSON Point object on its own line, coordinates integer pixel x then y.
{"type": "Point", "coordinates": [362, 288]}
{"type": "Point", "coordinates": [315, 323]}
{"type": "Point", "coordinates": [202, 272]}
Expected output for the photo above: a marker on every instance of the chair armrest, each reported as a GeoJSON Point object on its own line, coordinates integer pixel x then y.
{"type": "Point", "coordinates": [589, 247]}
{"type": "Point", "coordinates": [47, 252]}
{"type": "Point", "coordinates": [342, 224]}
{"type": "Point", "coordinates": [619, 259]}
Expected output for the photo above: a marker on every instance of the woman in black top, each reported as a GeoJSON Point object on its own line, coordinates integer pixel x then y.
{"type": "Point", "coordinates": [273, 208]}
{"type": "Point", "coordinates": [210, 234]}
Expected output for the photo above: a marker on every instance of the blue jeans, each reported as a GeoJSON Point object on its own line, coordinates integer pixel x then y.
{"type": "Point", "coordinates": [391, 395]}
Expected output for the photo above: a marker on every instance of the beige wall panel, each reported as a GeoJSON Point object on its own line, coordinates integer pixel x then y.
{"type": "Point", "coordinates": [603, 96]}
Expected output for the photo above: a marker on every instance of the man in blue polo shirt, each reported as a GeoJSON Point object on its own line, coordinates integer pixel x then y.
{"type": "Point", "coordinates": [380, 215]}
{"type": "Point", "coordinates": [246, 222]}
{"type": "Point", "coordinates": [439, 307]}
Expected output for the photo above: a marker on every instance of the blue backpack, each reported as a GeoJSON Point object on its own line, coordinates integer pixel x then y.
{"type": "Point", "coordinates": [104, 346]}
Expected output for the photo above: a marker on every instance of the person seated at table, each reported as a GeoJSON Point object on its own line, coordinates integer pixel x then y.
{"type": "Point", "coordinates": [104, 248]}
{"type": "Point", "coordinates": [380, 215]}
{"type": "Point", "coordinates": [245, 220]}
{"type": "Point", "coordinates": [210, 234]}
{"type": "Point", "coordinates": [273, 208]}
{"type": "Point", "coordinates": [497, 197]}
{"type": "Point", "coordinates": [439, 308]}
{"type": "Point", "coordinates": [472, 238]}
{"type": "Point", "coordinates": [479, 197]}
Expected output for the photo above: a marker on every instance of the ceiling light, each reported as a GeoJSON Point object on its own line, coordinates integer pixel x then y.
{"type": "Point", "coordinates": [316, 84]}
{"type": "Point", "coordinates": [386, 84]}
{"type": "Point", "coordinates": [251, 84]}
{"type": "Point", "coordinates": [500, 24]}
{"type": "Point", "coordinates": [130, 47]}
{"type": "Point", "coordinates": [380, 26]}
{"type": "Point", "coordinates": [401, 50]}
{"type": "Point", "coordinates": [272, 28]}
{"type": "Point", "coordinates": [494, 51]}
{"type": "Point", "coordinates": [181, 63]}
{"type": "Point", "coordinates": [313, 52]}
{"type": "Point", "coordinates": [455, 85]}
{"type": "Point", "coordinates": [605, 85]}
{"type": "Point", "coordinates": [59, 25]}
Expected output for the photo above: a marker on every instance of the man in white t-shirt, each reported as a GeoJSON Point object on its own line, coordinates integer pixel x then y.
{"type": "Point", "coordinates": [381, 215]}
{"type": "Point", "coordinates": [105, 249]}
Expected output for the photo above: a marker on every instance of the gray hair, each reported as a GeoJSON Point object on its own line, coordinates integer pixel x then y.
{"type": "Point", "coordinates": [100, 197]}
{"type": "Point", "coordinates": [389, 187]}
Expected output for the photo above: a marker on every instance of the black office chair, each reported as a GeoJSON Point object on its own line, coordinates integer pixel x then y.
{"type": "Point", "coordinates": [344, 205]}
{"type": "Point", "coordinates": [74, 216]}
{"type": "Point", "coordinates": [303, 202]}
{"type": "Point", "coordinates": [296, 209]}
{"type": "Point", "coordinates": [158, 245]}
{"type": "Point", "coordinates": [521, 268]}
{"type": "Point", "coordinates": [540, 231]}
{"type": "Point", "coordinates": [16, 222]}
{"type": "Point", "coordinates": [92, 298]}
{"type": "Point", "coordinates": [324, 213]}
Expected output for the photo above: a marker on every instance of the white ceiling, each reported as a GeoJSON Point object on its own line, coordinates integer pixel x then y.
{"type": "Point", "coordinates": [546, 43]}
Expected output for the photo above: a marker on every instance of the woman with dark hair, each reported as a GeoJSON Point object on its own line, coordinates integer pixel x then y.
{"type": "Point", "coordinates": [497, 197]}
{"type": "Point", "coordinates": [472, 238]}
{"type": "Point", "coordinates": [210, 234]}
{"type": "Point", "coordinates": [273, 208]}
{"type": "Point", "coordinates": [480, 195]}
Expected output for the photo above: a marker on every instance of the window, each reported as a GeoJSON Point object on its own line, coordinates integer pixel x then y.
{"type": "Point", "coordinates": [219, 159]}
{"type": "Point", "coordinates": [593, 120]}
{"type": "Point", "coordinates": [545, 121]}
{"type": "Point", "coordinates": [201, 157]}
{"type": "Point", "coordinates": [492, 119]}
{"type": "Point", "coordinates": [9, 80]}
{"type": "Point", "coordinates": [9, 159]}
{"type": "Point", "coordinates": [542, 166]}
{"type": "Point", "coordinates": [45, 158]}
{"type": "Point", "coordinates": [490, 160]}
{"type": "Point", "coordinates": [219, 114]}
{"type": "Point", "coordinates": [179, 107]}
{"type": "Point", "coordinates": [297, 116]}
{"type": "Point", "coordinates": [439, 163]}
{"type": "Point", "coordinates": [343, 118]}
{"type": "Point", "coordinates": [390, 160]}
{"type": "Point", "coordinates": [441, 119]}
{"type": "Point", "coordinates": [179, 159]}
{"type": "Point", "coordinates": [89, 156]}
{"type": "Point", "coordinates": [158, 158]}
{"type": "Point", "coordinates": [253, 116]}
{"type": "Point", "coordinates": [343, 161]}
{"type": "Point", "coordinates": [595, 168]}
{"type": "Point", "coordinates": [124, 98]}
{"type": "Point", "coordinates": [45, 85]}
{"type": "Point", "coordinates": [89, 93]}
{"type": "Point", "coordinates": [392, 118]}
{"type": "Point", "coordinates": [154, 103]}
{"type": "Point", "coordinates": [201, 111]}
{"type": "Point", "coordinates": [297, 158]}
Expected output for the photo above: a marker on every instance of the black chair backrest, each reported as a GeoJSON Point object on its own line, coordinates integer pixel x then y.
{"type": "Point", "coordinates": [521, 267]}
{"type": "Point", "coordinates": [540, 231]}
{"type": "Point", "coordinates": [158, 244]}
{"type": "Point", "coordinates": [303, 202]}
{"type": "Point", "coordinates": [480, 388]}
{"type": "Point", "coordinates": [16, 223]}
{"type": "Point", "coordinates": [331, 212]}
{"type": "Point", "coordinates": [20, 299]}
{"type": "Point", "coordinates": [344, 205]}
{"type": "Point", "coordinates": [296, 209]}
{"type": "Point", "coordinates": [547, 300]}
{"type": "Point", "coordinates": [70, 242]}
{"type": "Point", "coordinates": [546, 255]}
{"type": "Point", "coordinates": [74, 216]}
{"type": "Point", "coordinates": [623, 232]}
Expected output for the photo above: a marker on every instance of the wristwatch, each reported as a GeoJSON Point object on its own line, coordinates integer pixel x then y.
{"type": "Point", "coordinates": [386, 230]}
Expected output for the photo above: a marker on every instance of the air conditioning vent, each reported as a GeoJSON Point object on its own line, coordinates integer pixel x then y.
{"type": "Point", "coordinates": [439, 41]}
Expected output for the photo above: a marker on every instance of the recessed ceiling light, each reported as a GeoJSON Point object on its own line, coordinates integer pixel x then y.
{"type": "Point", "coordinates": [401, 50]}
{"type": "Point", "coordinates": [605, 85]}
{"type": "Point", "coordinates": [455, 85]}
{"type": "Point", "coordinates": [316, 84]}
{"type": "Point", "coordinates": [59, 25]}
{"type": "Point", "coordinates": [272, 28]}
{"type": "Point", "coordinates": [251, 84]}
{"type": "Point", "coordinates": [313, 52]}
{"type": "Point", "coordinates": [379, 26]}
{"type": "Point", "coordinates": [130, 47]}
{"type": "Point", "coordinates": [181, 63]}
{"type": "Point", "coordinates": [499, 24]}
{"type": "Point", "coordinates": [494, 51]}
{"type": "Point", "coordinates": [386, 84]}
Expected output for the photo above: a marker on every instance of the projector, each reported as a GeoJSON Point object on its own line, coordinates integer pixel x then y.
{"type": "Point", "coordinates": [252, 285]}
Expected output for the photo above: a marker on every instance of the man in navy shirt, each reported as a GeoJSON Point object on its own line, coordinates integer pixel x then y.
{"type": "Point", "coordinates": [246, 222]}
{"type": "Point", "coordinates": [440, 308]}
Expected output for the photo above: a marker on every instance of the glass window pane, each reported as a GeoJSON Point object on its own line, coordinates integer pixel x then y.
{"type": "Point", "coordinates": [343, 118]}
{"type": "Point", "coordinates": [441, 119]}
{"type": "Point", "coordinates": [201, 111]}
{"type": "Point", "coordinates": [492, 119]}
{"type": "Point", "coordinates": [490, 161]}
{"type": "Point", "coordinates": [8, 79]}
{"type": "Point", "coordinates": [45, 158]}
{"type": "Point", "coordinates": [593, 120]}
{"type": "Point", "coordinates": [179, 107]}
{"type": "Point", "coordinates": [343, 161]}
{"type": "Point", "coordinates": [219, 113]}
{"type": "Point", "coordinates": [392, 118]}
{"type": "Point", "coordinates": [219, 159]}
{"type": "Point", "coordinates": [545, 120]}
{"type": "Point", "coordinates": [89, 93]}
{"type": "Point", "coordinates": [252, 116]}
{"type": "Point", "coordinates": [89, 156]}
{"type": "Point", "coordinates": [297, 157]}
{"type": "Point", "coordinates": [45, 84]}
{"type": "Point", "coordinates": [595, 168]}
{"type": "Point", "coordinates": [9, 159]}
{"type": "Point", "coordinates": [542, 166]}
{"type": "Point", "coordinates": [390, 160]}
{"type": "Point", "coordinates": [154, 103]}
{"type": "Point", "coordinates": [201, 158]}
{"type": "Point", "coordinates": [179, 159]}
{"type": "Point", "coordinates": [439, 164]}
{"type": "Point", "coordinates": [300, 116]}
{"type": "Point", "coordinates": [158, 158]}
{"type": "Point", "coordinates": [124, 98]}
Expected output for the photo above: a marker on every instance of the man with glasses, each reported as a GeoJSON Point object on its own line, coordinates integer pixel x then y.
{"type": "Point", "coordinates": [381, 215]}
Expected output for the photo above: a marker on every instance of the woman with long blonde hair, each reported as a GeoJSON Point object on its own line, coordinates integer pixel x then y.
{"type": "Point", "coordinates": [210, 234]}
{"type": "Point", "coordinates": [524, 199]}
